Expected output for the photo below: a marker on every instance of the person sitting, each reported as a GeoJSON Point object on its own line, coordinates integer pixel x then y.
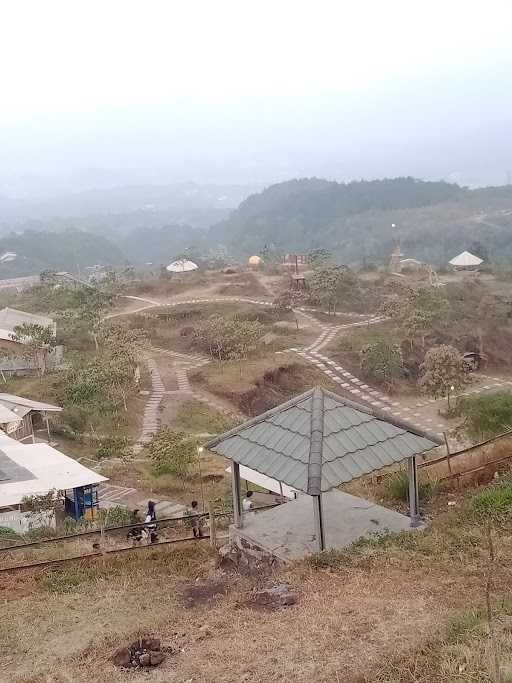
{"type": "Point", "coordinates": [248, 505]}
{"type": "Point", "coordinates": [135, 533]}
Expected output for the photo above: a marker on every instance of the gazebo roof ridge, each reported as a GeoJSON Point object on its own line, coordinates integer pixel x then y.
{"type": "Point", "coordinates": [296, 400]}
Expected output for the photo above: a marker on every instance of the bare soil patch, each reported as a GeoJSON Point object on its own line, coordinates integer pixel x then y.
{"type": "Point", "coordinates": [204, 592]}
{"type": "Point", "coordinates": [262, 385]}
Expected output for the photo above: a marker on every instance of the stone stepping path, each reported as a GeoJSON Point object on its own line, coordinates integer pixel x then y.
{"type": "Point", "coordinates": [110, 494]}
{"type": "Point", "coordinates": [363, 392]}
{"type": "Point", "coordinates": [151, 418]}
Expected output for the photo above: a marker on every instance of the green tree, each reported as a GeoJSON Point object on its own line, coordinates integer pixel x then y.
{"type": "Point", "coordinates": [171, 453]}
{"type": "Point", "coordinates": [331, 285]}
{"type": "Point", "coordinates": [36, 341]}
{"type": "Point", "coordinates": [442, 372]}
{"type": "Point", "coordinates": [120, 340]}
{"type": "Point", "coordinates": [228, 339]}
{"type": "Point", "coordinates": [381, 361]}
{"type": "Point", "coordinates": [417, 311]}
{"type": "Point", "coordinates": [92, 303]}
{"type": "Point", "coordinates": [486, 415]}
{"type": "Point", "coordinates": [319, 258]}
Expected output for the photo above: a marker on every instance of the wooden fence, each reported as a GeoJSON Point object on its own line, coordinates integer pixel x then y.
{"type": "Point", "coordinates": [471, 462]}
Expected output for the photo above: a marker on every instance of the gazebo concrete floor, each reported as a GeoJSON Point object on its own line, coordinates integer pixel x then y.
{"type": "Point", "coordinates": [287, 531]}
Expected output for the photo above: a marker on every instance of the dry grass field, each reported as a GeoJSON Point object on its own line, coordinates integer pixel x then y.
{"type": "Point", "coordinates": [407, 609]}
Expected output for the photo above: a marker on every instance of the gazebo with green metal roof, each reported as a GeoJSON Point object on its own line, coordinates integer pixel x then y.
{"type": "Point", "coordinates": [319, 440]}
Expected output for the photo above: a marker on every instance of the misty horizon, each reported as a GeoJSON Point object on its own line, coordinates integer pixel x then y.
{"type": "Point", "coordinates": [348, 94]}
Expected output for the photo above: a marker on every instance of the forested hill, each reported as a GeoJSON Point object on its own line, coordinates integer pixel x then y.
{"type": "Point", "coordinates": [355, 220]}
{"type": "Point", "coordinates": [67, 250]}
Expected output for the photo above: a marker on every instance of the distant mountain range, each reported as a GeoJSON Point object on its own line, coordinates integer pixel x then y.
{"type": "Point", "coordinates": [120, 209]}
{"type": "Point", "coordinates": [358, 222]}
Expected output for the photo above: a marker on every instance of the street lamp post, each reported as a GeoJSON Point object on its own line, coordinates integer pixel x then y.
{"type": "Point", "coordinates": [200, 450]}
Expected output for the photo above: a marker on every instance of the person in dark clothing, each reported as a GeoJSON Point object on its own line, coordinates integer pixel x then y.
{"type": "Point", "coordinates": [195, 521]}
{"type": "Point", "coordinates": [150, 523]}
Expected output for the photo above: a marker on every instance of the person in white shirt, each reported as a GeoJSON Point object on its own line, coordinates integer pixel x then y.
{"type": "Point", "coordinates": [248, 505]}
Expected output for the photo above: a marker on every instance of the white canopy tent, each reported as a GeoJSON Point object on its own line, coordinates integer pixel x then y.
{"type": "Point", "coordinates": [181, 266]}
{"type": "Point", "coordinates": [466, 260]}
{"type": "Point", "coordinates": [267, 482]}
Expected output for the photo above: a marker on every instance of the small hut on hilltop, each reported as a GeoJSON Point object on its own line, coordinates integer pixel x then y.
{"type": "Point", "coordinates": [466, 261]}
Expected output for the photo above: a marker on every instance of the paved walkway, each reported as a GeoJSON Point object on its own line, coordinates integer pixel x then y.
{"type": "Point", "coordinates": [111, 495]}
{"type": "Point", "coordinates": [422, 412]}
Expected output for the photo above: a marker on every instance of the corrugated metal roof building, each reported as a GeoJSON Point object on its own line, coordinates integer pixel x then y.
{"type": "Point", "coordinates": [320, 440]}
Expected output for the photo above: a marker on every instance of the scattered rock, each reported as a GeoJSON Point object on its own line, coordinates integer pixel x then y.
{"type": "Point", "coordinates": [274, 597]}
{"type": "Point", "coordinates": [145, 659]}
{"type": "Point", "coordinates": [156, 658]}
{"type": "Point", "coordinates": [250, 561]}
{"type": "Point", "coordinates": [151, 643]}
{"type": "Point", "coordinates": [122, 656]}
{"type": "Point", "coordinates": [144, 652]}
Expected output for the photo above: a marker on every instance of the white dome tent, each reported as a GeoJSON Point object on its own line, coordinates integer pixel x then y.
{"type": "Point", "coordinates": [181, 266]}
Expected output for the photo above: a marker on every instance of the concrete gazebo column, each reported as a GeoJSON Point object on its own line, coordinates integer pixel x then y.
{"type": "Point", "coordinates": [414, 509]}
{"type": "Point", "coordinates": [319, 522]}
{"type": "Point", "coordinates": [235, 486]}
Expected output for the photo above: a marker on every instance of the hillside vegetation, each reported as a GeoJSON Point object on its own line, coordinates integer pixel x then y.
{"type": "Point", "coordinates": [432, 220]}
{"type": "Point", "coordinates": [359, 222]}
{"type": "Point", "coordinates": [71, 249]}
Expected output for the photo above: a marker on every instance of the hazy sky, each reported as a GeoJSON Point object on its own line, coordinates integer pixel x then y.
{"type": "Point", "coordinates": [98, 93]}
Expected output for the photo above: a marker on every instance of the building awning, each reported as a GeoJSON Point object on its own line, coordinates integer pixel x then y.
{"type": "Point", "coordinates": [320, 440]}
{"type": "Point", "coordinates": [12, 317]}
{"type": "Point", "coordinates": [11, 401]}
{"type": "Point", "coordinates": [35, 469]}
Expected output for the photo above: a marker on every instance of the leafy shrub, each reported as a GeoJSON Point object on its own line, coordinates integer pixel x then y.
{"type": "Point", "coordinates": [75, 419]}
{"type": "Point", "coordinates": [75, 526]}
{"type": "Point", "coordinates": [171, 453]}
{"type": "Point", "coordinates": [381, 361]}
{"type": "Point", "coordinates": [442, 371]}
{"type": "Point", "coordinates": [225, 339]}
{"type": "Point", "coordinates": [7, 532]}
{"type": "Point", "coordinates": [397, 487]}
{"type": "Point", "coordinates": [494, 501]}
{"type": "Point", "coordinates": [117, 515]}
{"type": "Point", "coordinates": [486, 415]}
{"type": "Point", "coordinates": [113, 447]}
